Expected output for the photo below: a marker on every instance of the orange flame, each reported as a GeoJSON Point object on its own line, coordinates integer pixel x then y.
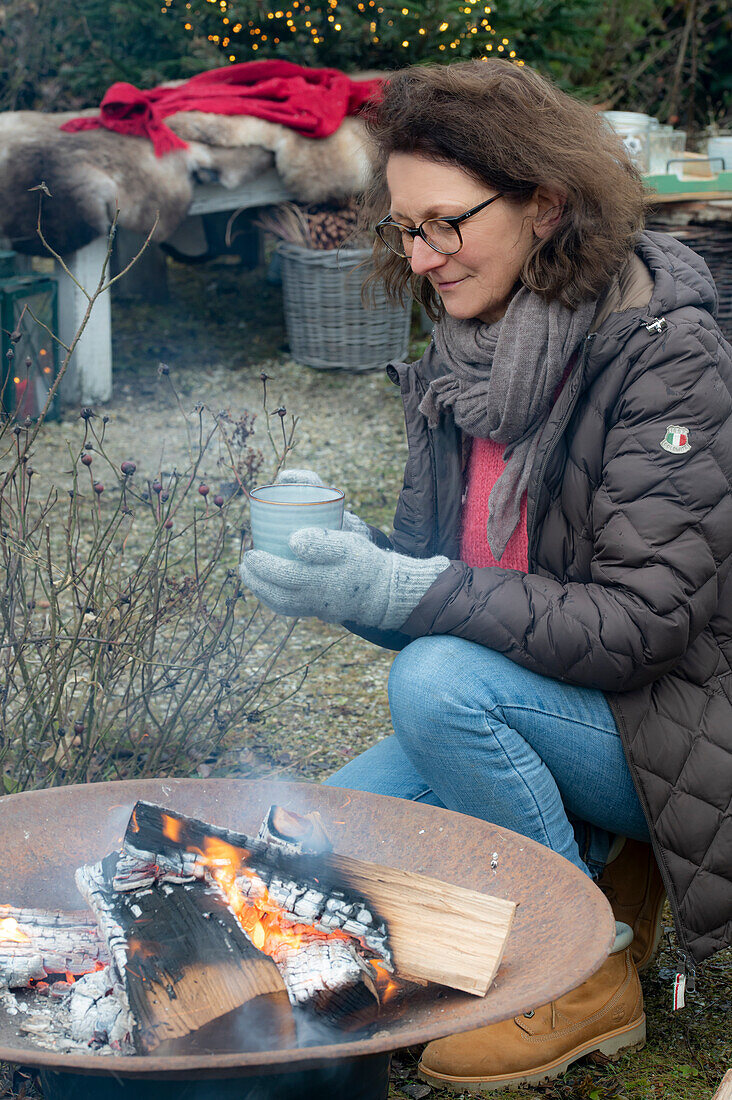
{"type": "Point", "coordinates": [261, 917]}
{"type": "Point", "coordinates": [172, 828]}
{"type": "Point", "coordinates": [10, 931]}
{"type": "Point", "coordinates": [386, 984]}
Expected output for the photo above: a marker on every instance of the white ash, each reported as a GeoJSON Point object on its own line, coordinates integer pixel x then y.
{"type": "Point", "coordinates": [318, 970]}
{"type": "Point", "coordinates": [96, 1013]}
{"type": "Point", "coordinates": [92, 885]}
{"type": "Point", "coordinates": [137, 869]}
{"type": "Point", "coordinates": [17, 973]}
{"type": "Point", "coordinates": [88, 1017]}
{"type": "Point", "coordinates": [10, 1002]}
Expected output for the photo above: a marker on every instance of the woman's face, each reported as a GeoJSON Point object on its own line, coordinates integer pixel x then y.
{"type": "Point", "coordinates": [479, 280]}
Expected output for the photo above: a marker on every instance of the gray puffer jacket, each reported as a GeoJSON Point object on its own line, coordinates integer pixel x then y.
{"type": "Point", "coordinates": [629, 587]}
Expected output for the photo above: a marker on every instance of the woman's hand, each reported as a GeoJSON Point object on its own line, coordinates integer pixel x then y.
{"type": "Point", "coordinates": [340, 576]}
{"type": "Point", "coordinates": [351, 521]}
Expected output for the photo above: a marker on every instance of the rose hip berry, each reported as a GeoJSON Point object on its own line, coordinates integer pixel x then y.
{"type": "Point", "coordinates": [86, 459]}
{"type": "Point", "coordinates": [218, 500]}
{"type": "Point", "coordinates": [98, 488]}
{"type": "Point", "coordinates": [168, 524]}
{"type": "Point", "coordinates": [128, 468]}
{"type": "Point", "coordinates": [157, 487]}
{"type": "Point", "coordinates": [204, 490]}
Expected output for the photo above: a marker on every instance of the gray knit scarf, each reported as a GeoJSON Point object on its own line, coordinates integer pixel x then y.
{"type": "Point", "coordinates": [502, 383]}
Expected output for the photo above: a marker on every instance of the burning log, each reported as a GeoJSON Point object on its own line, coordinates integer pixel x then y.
{"type": "Point", "coordinates": [326, 974]}
{"type": "Point", "coordinates": [179, 957]}
{"type": "Point", "coordinates": [436, 931]}
{"type": "Point", "coordinates": [36, 943]}
{"type": "Point", "coordinates": [321, 941]}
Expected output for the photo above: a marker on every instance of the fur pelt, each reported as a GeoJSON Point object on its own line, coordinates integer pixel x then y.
{"type": "Point", "coordinates": [91, 174]}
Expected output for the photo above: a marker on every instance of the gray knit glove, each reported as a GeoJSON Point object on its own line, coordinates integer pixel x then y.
{"type": "Point", "coordinates": [340, 577]}
{"type": "Point", "coordinates": [351, 522]}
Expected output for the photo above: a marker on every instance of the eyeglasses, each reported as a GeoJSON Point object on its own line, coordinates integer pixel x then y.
{"type": "Point", "coordinates": [441, 234]}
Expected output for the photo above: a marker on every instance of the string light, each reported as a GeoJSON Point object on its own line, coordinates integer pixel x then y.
{"type": "Point", "coordinates": [475, 25]}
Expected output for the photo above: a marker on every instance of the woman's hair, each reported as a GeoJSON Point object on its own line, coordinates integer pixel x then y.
{"type": "Point", "coordinates": [513, 131]}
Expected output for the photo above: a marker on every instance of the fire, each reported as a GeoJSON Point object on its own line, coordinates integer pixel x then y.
{"type": "Point", "coordinates": [10, 931]}
{"type": "Point", "coordinates": [172, 828]}
{"type": "Point", "coordinates": [386, 984]}
{"type": "Point", "coordinates": [261, 917]}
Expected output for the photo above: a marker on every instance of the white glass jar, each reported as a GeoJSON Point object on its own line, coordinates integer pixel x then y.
{"type": "Point", "coordinates": [634, 128]}
{"type": "Point", "coordinates": [720, 147]}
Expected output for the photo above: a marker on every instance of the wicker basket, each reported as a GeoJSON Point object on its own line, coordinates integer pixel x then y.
{"type": "Point", "coordinates": [327, 325]}
{"type": "Point", "coordinates": [714, 245]}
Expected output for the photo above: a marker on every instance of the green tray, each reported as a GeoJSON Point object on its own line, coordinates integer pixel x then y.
{"type": "Point", "coordinates": [671, 184]}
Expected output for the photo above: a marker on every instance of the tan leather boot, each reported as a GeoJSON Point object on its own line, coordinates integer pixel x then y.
{"type": "Point", "coordinates": [605, 1013]}
{"type": "Point", "coordinates": [632, 884]}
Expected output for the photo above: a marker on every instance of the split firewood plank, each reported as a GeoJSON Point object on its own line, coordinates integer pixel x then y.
{"type": "Point", "coordinates": [436, 931]}
{"type": "Point", "coordinates": [35, 943]}
{"type": "Point", "coordinates": [724, 1092]}
{"type": "Point", "coordinates": [178, 951]}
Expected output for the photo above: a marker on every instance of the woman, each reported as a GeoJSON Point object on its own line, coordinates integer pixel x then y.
{"type": "Point", "coordinates": [558, 579]}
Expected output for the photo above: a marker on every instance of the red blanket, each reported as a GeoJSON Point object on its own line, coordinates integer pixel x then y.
{"type": "Point", "coordinates": [312, 101]}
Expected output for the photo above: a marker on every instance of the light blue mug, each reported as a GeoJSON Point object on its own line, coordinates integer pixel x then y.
{"type": "Point", "coordinates": [278, 510]}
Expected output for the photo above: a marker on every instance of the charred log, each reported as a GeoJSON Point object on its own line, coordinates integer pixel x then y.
{"type": "Point", "coordinates": [36, 944]}
{"type": "Point", "coordinates": [180, 958]}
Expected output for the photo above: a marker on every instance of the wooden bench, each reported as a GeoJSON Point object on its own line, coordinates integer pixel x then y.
{"type": "Point", "coordinates": [89, 378]}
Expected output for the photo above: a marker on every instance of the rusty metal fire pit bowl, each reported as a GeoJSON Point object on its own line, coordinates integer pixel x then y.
{"type": "Point", "coordinates": [562, 932]}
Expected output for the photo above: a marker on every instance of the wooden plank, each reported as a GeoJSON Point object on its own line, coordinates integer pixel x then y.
{"type": "Point", "coordinates": [209, 198]}
{"type": "Point", "coordinates": [724, 1092]}
{"type": "Point", "coordinates": [437, 932]}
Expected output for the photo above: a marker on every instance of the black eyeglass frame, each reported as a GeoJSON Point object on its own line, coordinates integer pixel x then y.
{"type": "Point", "coordinates": [455, 221]}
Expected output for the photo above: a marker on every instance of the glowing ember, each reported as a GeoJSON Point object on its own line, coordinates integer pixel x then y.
{"type": "Point", "coordinates": [261, 917]}
{"type": "Point", "coordinates": [10, 931]}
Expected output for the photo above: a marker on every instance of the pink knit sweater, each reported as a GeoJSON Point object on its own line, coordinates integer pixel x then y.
{"type": "Point", "coordinates": [485, 466]}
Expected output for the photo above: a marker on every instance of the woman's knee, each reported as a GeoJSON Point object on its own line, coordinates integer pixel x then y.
{"type": "Point", "coordinates": [429, 679]}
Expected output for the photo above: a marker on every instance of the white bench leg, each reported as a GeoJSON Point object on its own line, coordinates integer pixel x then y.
{"type": "Point", "coordinates": [88, 378]}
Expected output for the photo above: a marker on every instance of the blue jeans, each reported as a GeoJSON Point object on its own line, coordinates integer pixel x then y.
{"type": "Point", "coordinates": [476, 733]}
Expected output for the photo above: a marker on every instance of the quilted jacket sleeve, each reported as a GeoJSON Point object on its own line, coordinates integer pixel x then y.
{"type": "Point", "coordinates": [661, 525]}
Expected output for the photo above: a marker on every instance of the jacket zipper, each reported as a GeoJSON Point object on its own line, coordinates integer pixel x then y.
{"type": "Point", "coordinates": [685, 978]}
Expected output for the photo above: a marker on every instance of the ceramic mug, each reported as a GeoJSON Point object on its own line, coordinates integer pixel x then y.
{"type": "Point", "coordinates": [278, 510]}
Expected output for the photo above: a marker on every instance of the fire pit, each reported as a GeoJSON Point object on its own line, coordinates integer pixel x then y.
{"type": "Point", "coordinates": [562, 932]}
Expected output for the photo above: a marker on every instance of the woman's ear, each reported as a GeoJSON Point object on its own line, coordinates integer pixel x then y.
{"type": "Point", "coordinates": [550, 205]}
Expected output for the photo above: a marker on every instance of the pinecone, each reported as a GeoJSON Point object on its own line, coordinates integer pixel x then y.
{"type": "Point", "coordinates": [332, 226]}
